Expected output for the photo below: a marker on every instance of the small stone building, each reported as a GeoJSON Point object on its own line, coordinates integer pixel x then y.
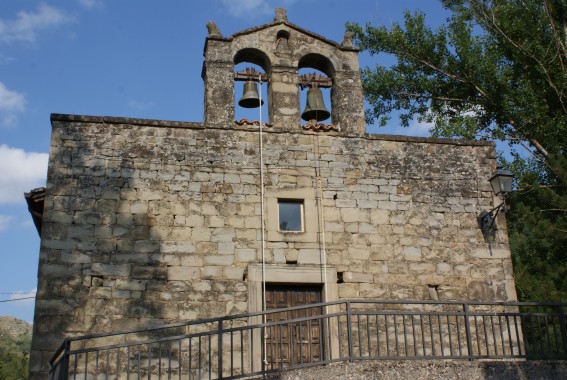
{"type": "Point", "coordinates": [151, 222]}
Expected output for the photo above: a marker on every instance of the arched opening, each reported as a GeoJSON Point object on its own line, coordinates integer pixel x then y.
{"type": "Point", "coordinates": [316, 71]}
{"type": "Point", "coordinates": [252, 69]}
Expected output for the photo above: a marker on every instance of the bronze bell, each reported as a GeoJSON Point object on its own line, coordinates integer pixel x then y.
{"type": "Point", "coordinates": [315, 106]}
{"type": "Point", "coordinates": [250, 97]}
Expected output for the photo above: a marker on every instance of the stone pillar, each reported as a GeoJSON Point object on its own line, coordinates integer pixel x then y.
{"type": "Point", "coordinates": [348, 102]}
{"type": "Point", "coordinates": [284, 98]}
{"type": "Point", "coordinates": [218, 75]}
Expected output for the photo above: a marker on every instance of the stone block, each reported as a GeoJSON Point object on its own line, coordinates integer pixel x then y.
{"type": "Point", "coordinates": [422, 267]}
{"type": "Point", "coordinates": [194, 221]}
{"type": "Point", "coordinates": [358, 277]}
{"type": "Point", "coordinates": [75, 258]}
{"type": "Point", "coordinates": [139, 207]}
{"type": "Point", "coordinates": [114, 270]}
{"type": "Point", "coordinates": [245, 255]}
{"type": "Point", "coordinates": [222, 235]}
{"type": "Point", "coordinates": [129, 284]}
{"type": "Point", "coordinates": [200, 234]}
{"type": "Point", "coordinates": [358, 252]}
{"type": "Point", "coordinates": [367, 228]}
{"type": "Point", "coordinates": [444, 268]}
{"type": "Point", "coordinates": [351, 290]}
{"type": "Point", "coordinates": [118, 293]}
{"type": "Point", "coordinates": [147, 272]}
{"type": "Point", "coordinates": [345, 203]}
{"type": "Point", "coordinates": [226, 248]}
{"type": "Point", "coordinates": [221, 260]}
{"type": "Point", "coordinates": [374, 291]}
{"type": "Point", "coordinates": [146, 246]}
{"type": "Point", "coordinates": [308, 256]}
{"type": "Point", "coordinates": [232, 273]}
{"type": "Point", "coordinates": [412, 253]}
{"type": "Point", "coordinates": [462, 269]}
{"type": "Point", "coordinates": [100, 292]}
{"type": "Point", "coordinates": [211, 272]}
{"type": "Point", "coordinates": [354, 215]}
{"type": "Point", "coordinates": [183, 273]}
{"type": "Point", "coordinates": [95, 306]}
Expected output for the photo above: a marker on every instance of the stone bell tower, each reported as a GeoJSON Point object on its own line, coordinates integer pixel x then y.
{"type": "Point", "coordinates": [281, 49]}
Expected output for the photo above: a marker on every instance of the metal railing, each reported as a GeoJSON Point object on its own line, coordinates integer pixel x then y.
{"type": "Point", "coordinates": [244, 346]}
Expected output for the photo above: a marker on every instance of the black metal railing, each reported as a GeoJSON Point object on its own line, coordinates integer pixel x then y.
{"type": "Point", "coordinates": [254, 344]}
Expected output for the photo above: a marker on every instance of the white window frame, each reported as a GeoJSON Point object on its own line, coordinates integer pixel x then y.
{"type": "Point", "coordinates": [310, 216]}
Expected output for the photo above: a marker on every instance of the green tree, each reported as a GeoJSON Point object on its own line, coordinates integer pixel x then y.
{"type": "Point", "coordinates": [13, 365]}
{"type": "Point", "coordinates": [497, 69]}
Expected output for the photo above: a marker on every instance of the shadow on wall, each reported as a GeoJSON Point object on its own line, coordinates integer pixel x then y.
{"type": "Point", "coordinates": [102, 265]}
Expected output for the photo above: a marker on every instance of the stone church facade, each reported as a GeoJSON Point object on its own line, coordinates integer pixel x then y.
{"type": "Point", "coordinates": [149, 222]}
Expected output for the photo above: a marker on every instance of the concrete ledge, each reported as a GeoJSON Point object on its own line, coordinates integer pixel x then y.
{"type": "Point", "coordinates": [196, 125]}
{"type": "Point", "coordinates": [125, 120]}
{"type": "Point", "coordinates": [431, 370]}
{"type": "Point", "coordinates": [199, 125]}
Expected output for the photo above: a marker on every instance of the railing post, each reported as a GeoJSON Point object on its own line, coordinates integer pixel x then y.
{"type": "Point", "coordinates": [64, 374]}
{"type": "Point", "coordinates": [219, 349]}
{"type": "Point", "coordinates": [468, 331]}
{"type": "Point", "coordinates": [563, 331]}
{"type": "Point", "coordinates": [349, 333]}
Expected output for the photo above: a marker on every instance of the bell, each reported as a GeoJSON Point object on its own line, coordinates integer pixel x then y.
{"type": "Point", "coordinates": [250, 97]}
{"type": "Point", "coordinates": [315, 107]}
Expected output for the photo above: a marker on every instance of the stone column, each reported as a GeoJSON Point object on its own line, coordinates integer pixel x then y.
{"type": "Point", "coordinates": [283, 94]}
{"type": "Point", "coordinates": [218, 74]}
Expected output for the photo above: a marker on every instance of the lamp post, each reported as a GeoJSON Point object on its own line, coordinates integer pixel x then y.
{"type": "Point", "coordinates": [501, 183]}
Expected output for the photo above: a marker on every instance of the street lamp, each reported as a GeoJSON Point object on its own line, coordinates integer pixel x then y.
{"type": "Point", "coordinates": [501, 183]}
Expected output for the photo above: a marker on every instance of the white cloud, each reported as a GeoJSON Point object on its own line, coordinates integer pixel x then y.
{"type": "Point", "coordinates": [24, 294]}
{"type": "Point", "coordinates": [140, 105]}
{"type": "Point", "coordinates": [4, 59]}
{"type": "Point", "coordinates": [20, 171]}
{"type": "Point", "coordinates": [247, 8]}
{"type": "Point", "coordinates": [11, 102]}
{"type": "Point", "coordinates": [4, 221]}
{"type": "Point", "coordinates": [253, 8]}
{"type": "Point", "coordinates": [415, 129]}
{"type": "Point", "coordinates": [91, 4]}
{"type": "Point", "coordinates": [27, 24]}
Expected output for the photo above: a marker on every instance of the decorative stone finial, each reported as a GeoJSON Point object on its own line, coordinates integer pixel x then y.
{"type": "Point", "coordinates": [213, 29]}
{"type": "Point", "coordinates": [347, 39]}
{"type": "Point", "coordinates": [281, 15]}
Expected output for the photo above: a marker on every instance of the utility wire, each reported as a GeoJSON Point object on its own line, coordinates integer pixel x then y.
{"type": "Point", "coordinates": [17, 299]}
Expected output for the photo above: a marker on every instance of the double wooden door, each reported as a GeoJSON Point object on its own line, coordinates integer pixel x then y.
{"type": "Point", "coordinates": [297, 342]}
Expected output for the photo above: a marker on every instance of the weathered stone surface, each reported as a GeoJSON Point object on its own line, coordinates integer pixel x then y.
{"type": "Point", "coordinates": [161, 221]}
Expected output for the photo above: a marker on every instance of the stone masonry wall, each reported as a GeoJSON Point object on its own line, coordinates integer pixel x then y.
{"type": "Point", "coordinates": [151, 222]}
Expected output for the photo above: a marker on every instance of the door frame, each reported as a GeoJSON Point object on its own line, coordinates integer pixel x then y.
{"type": "Point", "coordinates": [292, 274]}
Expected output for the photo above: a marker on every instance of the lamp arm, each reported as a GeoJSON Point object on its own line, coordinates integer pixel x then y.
{"type": "Point", "coordinates": [496, 210]}
{"type": "Point", "coordinates": [498, 207]}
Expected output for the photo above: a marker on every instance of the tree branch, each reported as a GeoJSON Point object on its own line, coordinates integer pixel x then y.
{"type": "Point", "coordinates": [421, 96]}
{"type": "Point", "coordinates": [491, 23]}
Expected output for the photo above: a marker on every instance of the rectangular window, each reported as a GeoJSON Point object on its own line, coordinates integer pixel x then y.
{"type": "Point", "coordinates": [290, 215]}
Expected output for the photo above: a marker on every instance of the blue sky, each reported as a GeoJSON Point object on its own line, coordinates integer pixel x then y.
{"type": "Point", "coordinates": [122, 58]}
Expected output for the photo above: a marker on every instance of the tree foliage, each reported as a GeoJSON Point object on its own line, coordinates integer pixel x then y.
{"type": "Point", "coordinates": [14, 357]}
{"type": "Point", "coordinates": [497, 69]}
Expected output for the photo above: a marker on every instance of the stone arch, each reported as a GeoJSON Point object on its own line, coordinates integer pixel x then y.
{"type": "Point", "coordinates": [319, 62]}
{"type": "Point", "coordinates": [255, 56]}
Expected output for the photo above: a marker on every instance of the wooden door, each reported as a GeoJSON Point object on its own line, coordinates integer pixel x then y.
{"type": "Point", "coordinates": [298, 342]}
